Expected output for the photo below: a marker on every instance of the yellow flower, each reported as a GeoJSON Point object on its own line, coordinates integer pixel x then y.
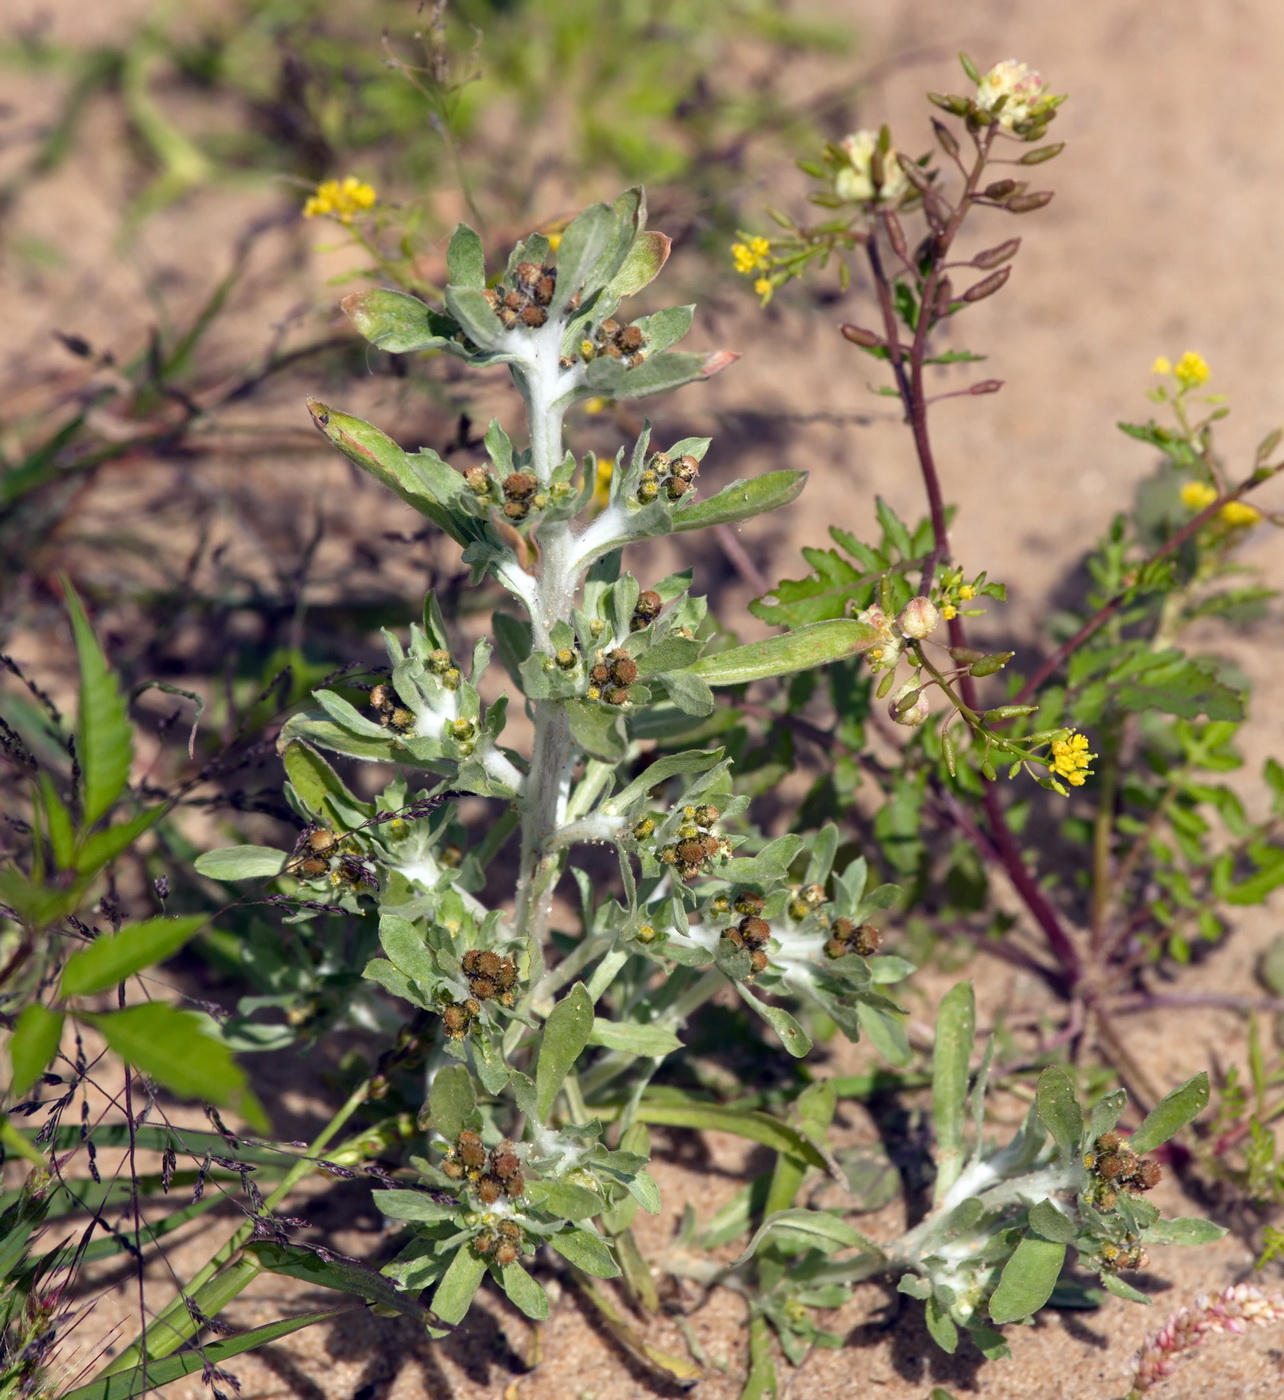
{"type": "Point", "coordinates": [1195, 495]}
{"type": "Point", "coordinates": [1070, 758]}
{"type": "Point", "coordinates": [554, 241]}
{"type": "Point", "coordinates": [602, 485]}
{"type": "Point", "coordinates": [1191, 370]}
{"type": "Point", "coordinates": [762, 286]}
{"type": "Point", "coordinates": [342, 199]}
{"type": "Point", "coordinates": [967, 592]}
{"type": "Point", "coordinates": [949, 612]}
{"type": "Point", "coordinates": [1163, 365]}
{"type": "Point", "coordinates": [1239, 513]}
{"type": "Point", "coordinates": [749, 257]}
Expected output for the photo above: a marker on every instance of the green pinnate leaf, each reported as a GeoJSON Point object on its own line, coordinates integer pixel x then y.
{"type": "Point", "coordinates": [104, 737]}
{"type": "Point", "coordinates": [172, 1047]}
{"type": "Point", "coordinates": [113, 957]}
{"type": "Point", "coordinates": [35, 1040]}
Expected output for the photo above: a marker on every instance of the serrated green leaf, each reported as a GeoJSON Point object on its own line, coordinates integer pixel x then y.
{"type": "Point", "coordinates": [1059, 1111]}
{"type": "Point", "coordinates": [1028, 1279]}
{"type": "Point", "coordinates": [815, 645]}
{"type": "Point", "coordinates": [113, 957]}
{"type": "Point", "coordinates": [566, 1033]}
{"type": "Point", "coordinates": [172, 1047]}
{"type": "Point", "coordinates": [240, 863]}
{"type": "Point", "coordinates": [1171, 1114]}
{"type": "Point", "coordinates": [33, 1044]}
{"type": "Point", "coordinates": [951, 1056]}
{"type": "Point", "coordinates": [104, 737]}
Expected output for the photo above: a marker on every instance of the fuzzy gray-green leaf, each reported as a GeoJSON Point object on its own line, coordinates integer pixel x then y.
{"type": "Point", "coordinates": [742, 500]}
{"type": "Point", "coordinates": [955, 1032]}
{"type": "Point", "coordinates": [1059, 1111]}
{"type": "Point", "coordinates": [1028, 1279]}
{"type": "Point", "coordinates": [817, 644]}
{"type": "Point", "coordinates": [566, 1033]}
{"type": "Point", "coordinates": [1171, 1114]}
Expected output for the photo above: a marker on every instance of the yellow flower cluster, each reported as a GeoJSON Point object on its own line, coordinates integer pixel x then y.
{"type": "Point", "coordinates": [1070, 759]}
{"type": "Point", "coordinates": [1198, 495]}
{"type": "Point", "coordinates": [749, 257]}
{"type": "Point", "coordinates": [341, 199]}
{"type": "Point", "coordinates": [1191, 370]}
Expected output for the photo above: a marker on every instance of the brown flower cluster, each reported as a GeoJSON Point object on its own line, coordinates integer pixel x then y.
{"type": "Point", "coordinates": [645, 610]}
{"type": "Point", "coordinates": [1116, 1167]}
{"type": "Point", "coordinates": [752, 932]}
{"type": "Point", "coordinates": [492, 1174]}
{"type": "Point", "coordinates": [385, 702]}
{"type": "Point", "coordinates": [502, 1244]}
{"type": "Point", "coordinates": [846, 937]}
{"type": "Point", "coordinates": [490, 977]}
{"type": "Point", "coordinates": [696, 846]}
{"type": "Point", "coordinates": [663, 473]}
{"type": "Point", "coordinates": [610, 677]}
{"type": "Point", "coordinates": [616, 340]}
{"type": "Point", "coordinates": [525, 302]}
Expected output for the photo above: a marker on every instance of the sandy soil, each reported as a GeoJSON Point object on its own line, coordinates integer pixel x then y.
{"type": "Point", "coordinates": [1162, 238]}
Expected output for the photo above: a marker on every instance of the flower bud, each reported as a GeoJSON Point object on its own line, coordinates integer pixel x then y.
{"type": "Point", "coordinates": [908, 706]}
{"type": "Point", "coordinates": [919, 618]}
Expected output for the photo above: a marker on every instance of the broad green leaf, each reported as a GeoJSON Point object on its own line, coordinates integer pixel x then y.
{"type": "Point", "coordinates": [171, 1046]}
{"type": "Point", "coordinates": [1171, 1114]}
{"type": "Point", "coordinates": [62, 834]}
{"type": "Point", "coordinates": [458, 1284]}
{"type": "Point", "coordinates": [641, 265]}
{"type": "Point", "coordinates": [587, 1250]}
{"type": "Point", "coordinates": [1059, 1111]}
{"type": "Point", "coordinates": [565, 1198]}
{"type": "Point", "coordinates": [637, 1038]}
{"type": "Point", "coordinates": [741, 500]}
{"type": "Point", "coordinates": [104, 737]}
{"type": "Point", "coordinates": [597, 729]}
{"type": "Point", "coordinates": [144, 1379]}
{"type": "Point", "coordinates": [1046, 1220]}
{"type": "Point", "coordinates": [792, 1036]}
{"type": "Point", "coordinates": [952, 1053]}
{"type": "Point", "coordinates": [396, 322]}
{"type": "Point", "coordinates": [523, 1292]}
{"type": "Point", "coordinates": [452, 1101]}
{"type": "Point", "coordinates": [566, 1033]}
{"type": "Point", "coordinates": [35, 1040]}
{"type": "Point", "coordinates": [942, 1327]}
{"type": "Point", "coordinates": [115, 956]}
{"type": "Point", "coordinates": [466, 258]}
{"type": "Point", "coordinates": [1028, 1279]}
{"type": "Point", "coordinates": [423, 480]}
{"type": "Point", "coordinates": [583, 242]}
{"type": "Point", "coordinates": [342, 1275]}
{"type": "Point", "coordinates": [240, 863]}
{"type": "Point", "coordinates": [815, 645]}
{"type": "Point", "coordinates": [1105, 1113]}
{"type": "Point", "coordinates": [1184, 1229]}
{"type": "Point", "coordinates": [407, 950]}
{"type": "Point", "coordinates": [314, 780]}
